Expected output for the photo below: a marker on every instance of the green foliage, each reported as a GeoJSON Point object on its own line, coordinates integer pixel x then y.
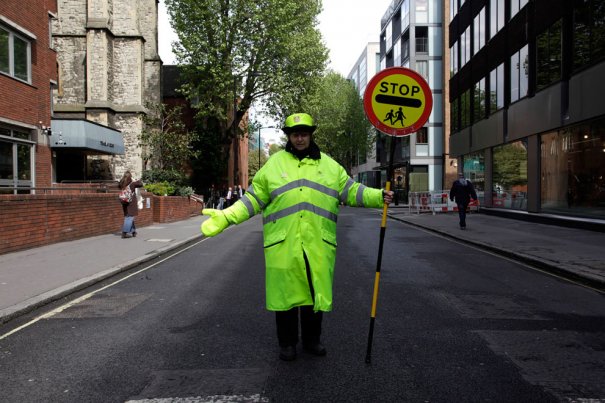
{"type": "Point", "coordinates": [164, 139]}
{"type": "Point", "coordinates": [164, 175]}
{"type": "Point", "coordinates": [343, 129]}
{"type": "Point", "coordinates": [253, 161]}
{"type": "Point", "coordinates": [184, 191]}
{"type": "Point", "coordinates": [160, 188]}
{"type": "Point", "coordinates": [253, 49]}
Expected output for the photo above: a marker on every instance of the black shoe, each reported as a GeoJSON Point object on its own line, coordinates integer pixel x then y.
{"type": "Point", "coordinates": [463, 227]}
{"type": "Point", "coordinates": [126, 235]}
{"type": "Point", "coordinates": [287, 353]}
{"type": "Point", "coordinates": [134, 234]}
{"type": "Point", "coordinates": [315, 349]}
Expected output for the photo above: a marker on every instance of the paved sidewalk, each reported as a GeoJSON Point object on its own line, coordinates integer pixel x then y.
{"type": "Point", "coordinates": [34, 277]}
{"type": "Point", "coordinates": [576, 254]}
{"type": "Point", "coordinates": [37, 276]}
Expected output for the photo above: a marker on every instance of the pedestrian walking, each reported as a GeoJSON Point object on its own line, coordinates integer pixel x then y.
{"type": "Point", "coordinates": [298, 191]}
{"type": "Point", "coordinates": [462, 191]}
{"type": "Point", "coordinates": [129, 203]}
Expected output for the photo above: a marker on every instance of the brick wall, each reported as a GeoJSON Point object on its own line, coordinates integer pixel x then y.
{"type": "Point", "coordinates": [169, 209]}
{"type": "Point", "coordinates": [29, 221]}
{"type": "Point", "coordinates": [20, 101]}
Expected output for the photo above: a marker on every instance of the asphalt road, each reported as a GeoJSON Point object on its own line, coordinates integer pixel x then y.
{"type": "Point", "coordinates": [453, 324]}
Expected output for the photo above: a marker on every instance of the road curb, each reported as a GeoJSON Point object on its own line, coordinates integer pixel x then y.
{"type": "Point", "coordinates": [546, 266]}
{"type": "Point", "coordinates": [22, 308]}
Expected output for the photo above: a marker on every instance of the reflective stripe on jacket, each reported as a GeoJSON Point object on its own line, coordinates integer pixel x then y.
{"type": "Point", "coordinates": [300, 202]}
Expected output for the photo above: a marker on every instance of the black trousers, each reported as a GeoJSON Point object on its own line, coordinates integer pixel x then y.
{"type": "Point", "coordinates": [310, 322]}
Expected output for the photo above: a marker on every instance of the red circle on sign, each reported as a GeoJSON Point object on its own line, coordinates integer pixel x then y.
{"type": "Point", "coordinates": [380, 77]}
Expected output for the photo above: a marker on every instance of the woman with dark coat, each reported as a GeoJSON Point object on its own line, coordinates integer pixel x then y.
{"type": "Point", "coordinates": [131, 209]}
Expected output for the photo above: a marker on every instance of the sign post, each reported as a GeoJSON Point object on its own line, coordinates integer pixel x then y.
{"type": "Point", "coordinates": [398, 102]}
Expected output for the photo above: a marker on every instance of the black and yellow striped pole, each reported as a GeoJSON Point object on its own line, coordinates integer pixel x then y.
{"type": "Point", "coordinates": [383, 228]}
{"type": "Point", "coordinates": [385, 97]}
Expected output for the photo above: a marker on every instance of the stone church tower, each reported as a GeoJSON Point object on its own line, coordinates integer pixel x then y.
{"type": "Point", "coordinates": [109, 67]}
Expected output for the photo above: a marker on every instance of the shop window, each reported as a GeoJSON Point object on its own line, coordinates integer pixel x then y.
{"type": "Point", "coordinates": [15, 55]}
{"type": "Point", "coordinates": [572, 169]}
{"type": "Point", "coordinates": [548, 54]}
{"type": "Point", "coordinates": [509, 176]}
{"type": "Point", "coordinates": [16, 154]}
{"type": "Point", "coordinates": [588, 33]}
{"type": "Point", "coordinates": [474, 170]}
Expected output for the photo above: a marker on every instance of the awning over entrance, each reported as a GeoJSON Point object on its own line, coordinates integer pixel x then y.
{"type": "Point", "coordinates": [87, 135]}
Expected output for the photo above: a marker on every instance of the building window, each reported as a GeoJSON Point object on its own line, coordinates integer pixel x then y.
{"type": "Point", "coordinates": [454, 59]}
{"type": "Point", "coordinates": [465, 109]}
{"type": "Point", "coordinates": [548, 54]}
{"type": "Point", "coordinates": [422, 68]}
{"type": "Point", "coordinates": [509, 176]}
{"type": "Point", "coordinates": [479, 100]}
{"type": "Point", "coordinates": [405, 48]}
{"type": "Point", "coordinates": [454, 126]}
{"type": "Point", "coordinates": [422, 40]}
{"type": "Point", "coordinates": [15, 55]}
{"type": "Point", "coordinates": [465, 47]}
{"type": "Point", "coordinates": [16, 153]}
{"type": "Point", "coordinates": [496, 89]}
{"type": "Point", "coordinates": [453, 9]}
{"type": "Point", "coordinates": [519, 66]}
{"type": "Point", "coordinates": [572, 166]}
{"type": "Point", "coordinates": [397, 53]}
{"type": "Point", "coordinates": [496, 17]}
{"type": "Point", "coordinates": [515, 6]}
{"type": "Point", "coordinates": [389, 35]}
{"type": "Point", "coordinates": [588, 33]}
{"type": "Point", "coordinates": [479, 31]}
{"type": "Point", "coordinates": [422, 11]}
{"type": "Point", "coordinates": [422, 136]}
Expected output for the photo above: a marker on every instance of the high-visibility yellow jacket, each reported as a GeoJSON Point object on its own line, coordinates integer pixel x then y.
{"type": "Point", "coordinates": [300, 201]}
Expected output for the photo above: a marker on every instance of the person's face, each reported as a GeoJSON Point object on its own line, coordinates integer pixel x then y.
{"type": "Point", "coordinates": [300, 140]}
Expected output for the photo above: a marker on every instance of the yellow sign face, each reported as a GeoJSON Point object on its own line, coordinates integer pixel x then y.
{"type": "Point", "coordinates": [398, 101]}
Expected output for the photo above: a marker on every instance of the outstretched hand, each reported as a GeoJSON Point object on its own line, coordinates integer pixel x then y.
{"type": "Point", "coordinates": [215, 224]}
{"type": "Point", "coordinates": [387, 196]}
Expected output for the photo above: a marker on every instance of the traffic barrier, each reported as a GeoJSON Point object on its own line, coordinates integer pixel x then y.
{"type": "Point", "coordinates": [435, 202]}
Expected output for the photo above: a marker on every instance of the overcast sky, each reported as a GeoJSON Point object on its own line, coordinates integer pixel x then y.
{"type": "Point", "coordinates": [346, 26]}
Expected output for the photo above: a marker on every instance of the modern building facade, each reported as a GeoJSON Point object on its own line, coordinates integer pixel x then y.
{"type": "Point", "coordinates": [28, 72]}
{"type": "Point", "coordinates": [412, 36]}
{"type": "Point", "coordinates": [527, 118]}
{"type": "Point", "coordinates": [109, 68]}
{"type": "Point", "coordinates": [366, 169]}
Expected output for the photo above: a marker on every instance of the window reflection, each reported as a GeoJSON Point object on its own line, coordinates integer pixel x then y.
{"type": "Point", "coordinates": [509, 176]}
{"type": "Point", "coordinates": [573, 170]}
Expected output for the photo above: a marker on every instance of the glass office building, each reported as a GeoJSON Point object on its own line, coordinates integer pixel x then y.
{"type": "Point", "coordinates": [526, 115]}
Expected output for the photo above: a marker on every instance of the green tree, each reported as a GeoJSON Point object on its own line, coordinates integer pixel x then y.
{"type": "Point", "coordinates": [253, 49]}
{"type": "Point", "coordinates": [166, 143]}
{"type": "Point", "coordinates": [343, 130]}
